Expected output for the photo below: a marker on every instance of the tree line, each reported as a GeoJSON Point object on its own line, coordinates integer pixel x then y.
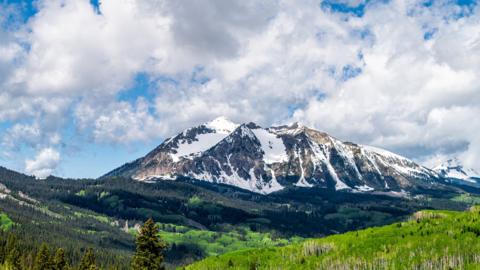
{"type": "Point", "coordinates": [149, 254]}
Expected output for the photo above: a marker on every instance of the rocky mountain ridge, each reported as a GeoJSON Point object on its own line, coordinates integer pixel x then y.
{"type": "Point", "coordinates": [265, 160]}
{"type": "Point", "coordinates": [453, 170]}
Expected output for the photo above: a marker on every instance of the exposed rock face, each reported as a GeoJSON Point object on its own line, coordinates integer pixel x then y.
{"type": "Point", "coordinates": [267, 160]}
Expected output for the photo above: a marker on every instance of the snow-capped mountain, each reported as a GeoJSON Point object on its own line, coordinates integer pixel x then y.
{"type": "Point", "coordinates": [454, 170]}
{"type": "Point", "coordinates": [266, 160]}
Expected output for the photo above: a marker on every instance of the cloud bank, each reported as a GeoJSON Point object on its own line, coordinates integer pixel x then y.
{"type": "Point", "coordinates": [395, 74]}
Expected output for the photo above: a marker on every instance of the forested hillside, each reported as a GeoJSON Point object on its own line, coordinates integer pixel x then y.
{"type": "Point", "coordinates": [428, 240]}
{"type": "Point", "coordinates": [196, 219]}
{"type": "Point", "coordinates": [17, 253]}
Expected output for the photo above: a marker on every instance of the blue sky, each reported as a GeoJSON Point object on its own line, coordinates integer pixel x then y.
{"type": "Point", "coordinates": [86, 86]}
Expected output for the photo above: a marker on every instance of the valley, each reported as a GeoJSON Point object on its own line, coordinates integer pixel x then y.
{"type": "Point", "coordinates": [197, 219]}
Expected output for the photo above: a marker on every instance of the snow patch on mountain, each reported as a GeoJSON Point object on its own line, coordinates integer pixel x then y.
{"type": "Point", "coordinates": [400, 164]}
{"type": "Point", "coordinates": [453, 168]}
{"type": "Point", "coordinates": [272, 146]}
{"type": "Point", "coordinates": [291, 129]}
{"type": "Point", "coordinates": [364, 188]}
{"type": "Point", "coordinates": [252, 183]}
{"type": "Point", "coordinates": [347, 155]}
{"type": "Point", "coordinates": [339, 185]}
{"type": "Point", "coordinates": [273, 185]}
{"type": "Point", "coordinates": [151, 178]}
{"type": "Point", "coordinates": [302, 182]}
{"type": "Point", "coordinates": [222, 125]}
{"type": "Point", "coordinates": [321, 156]}
{"type": "Point", "coordinates": [383, 152]}
{"type": "Point", "coordinates": [246, 132]}
{"type": "Point", "coordinates": [371, 161]}
{"type": "Point", "coordinates": [192, 149]}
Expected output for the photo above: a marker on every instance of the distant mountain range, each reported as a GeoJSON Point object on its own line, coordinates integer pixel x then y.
{"type": "Point", "coordinates": [453, 170]}
{"type": "Point", "coordinates": [265, 160]}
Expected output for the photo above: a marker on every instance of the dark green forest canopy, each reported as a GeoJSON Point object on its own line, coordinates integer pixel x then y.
{"type": "Point", "coordinates": [77, 214]}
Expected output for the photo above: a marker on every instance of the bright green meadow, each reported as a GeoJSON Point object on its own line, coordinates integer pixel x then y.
{"type": "Point", "coordinates": [428, 240]}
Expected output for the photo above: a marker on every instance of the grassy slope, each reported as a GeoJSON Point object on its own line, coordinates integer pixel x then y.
{"type": "Point", "coordinates": [216, 243]}
{"type": "Point", "coordinates": [430, 240]}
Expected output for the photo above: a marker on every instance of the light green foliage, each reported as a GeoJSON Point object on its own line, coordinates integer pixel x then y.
{"type": "Point", "coordinates": [100, 218]}
{"type": "Point", "coordinates": [104, 194]}
{"type": "Point", "coordinates": [215, 243]}
{"type": "Point", "coordinates": [194, 201]}
{"type": "Point", "coordinates": [5, 222]}
{"type": "Point", "coordinates": [467, 198]}
{"type": "Point", "coordinates": [429, 240]}
{"type": "Point", "coordinates": [81, 193]}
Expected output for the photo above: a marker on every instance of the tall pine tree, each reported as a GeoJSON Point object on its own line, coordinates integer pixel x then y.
{"type": "Point", "coordinates": [43, 260]}
{"type": "Point", "coordinates": [149, 248]}
{"type": "Point", "coordinates": [59, 262]}
{"type": "Point", "coordinates": [88, 261]}
{"type": "Point", "coordinates": [13, 255]}
{"type": "Point", "coordinates": [13, 261]}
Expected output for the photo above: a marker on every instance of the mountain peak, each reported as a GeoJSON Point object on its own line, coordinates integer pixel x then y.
{"type": "Point", "coordinates": [267, 160]}
{"type": "Point", "coordinates": [452, 162]}
{"type": "Point", "coordinates": [453, 168]}
{"type": "Point", "coordinates": [290, 129]}
{"type": "Point", "coordinates": [222, 124]}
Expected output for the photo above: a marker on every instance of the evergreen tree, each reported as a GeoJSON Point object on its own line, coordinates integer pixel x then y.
{"type": "Point", "coordinates": [28, 260]}
{"type": "Point", "coordinates": [13, 260]}
{"type": "Point", "coordinates": [2, 248]}
{"type": "Point", "coordinates": [149, 248]}
{"type": "Point", "coordinates": [11, 243]}
{"type": "Point", "coordinates": [88, 261]}
{"type": "Point", "coordinates": [43, 260]}
{"type": "Point", "coordinates": [59, 262]}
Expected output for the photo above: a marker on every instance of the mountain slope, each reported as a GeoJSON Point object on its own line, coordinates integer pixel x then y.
{"type": "Point", "coordinates": [184, 146]}
{"type": "Point", "coordinates": [37, 214]}
{"type": "Point", "coordinates": [265, 160]}
{"type": "Point", "coordinates": [429, 240]}
{"type": "Point", "coordinates": [78, 213]}
{"type": "Point", "coordinates": [454, 170]}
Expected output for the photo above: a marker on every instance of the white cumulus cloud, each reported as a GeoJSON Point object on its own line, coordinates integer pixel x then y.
{"type": "Point", "coordinates": [44, 163]}
{"type": "Point", "coordinates": [403, 76]}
